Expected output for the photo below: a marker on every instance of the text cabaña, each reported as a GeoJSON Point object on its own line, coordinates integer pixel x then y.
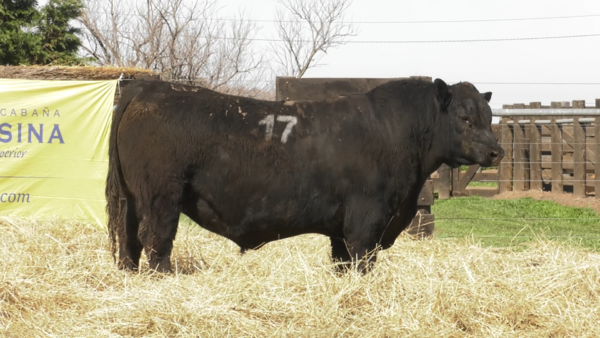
{"type": "Point", "coordinates": [32, 113]}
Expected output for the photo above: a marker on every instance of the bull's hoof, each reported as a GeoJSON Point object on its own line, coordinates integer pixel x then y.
{"type": "Point", "coordinates": [342, 267]}
{"type": "Point", "coordinates": [127, 264]}
{"type": "Point", "coordinates": [162, 265]}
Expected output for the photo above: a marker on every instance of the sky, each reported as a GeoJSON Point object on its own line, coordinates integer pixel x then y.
{"type": "Point", "coordinates": [519, 71]}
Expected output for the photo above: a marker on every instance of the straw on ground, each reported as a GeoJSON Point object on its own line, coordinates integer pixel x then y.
{"type": "Point", "coordinates": [58, 279]}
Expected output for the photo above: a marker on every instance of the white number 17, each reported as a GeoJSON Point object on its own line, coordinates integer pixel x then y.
{"type": "Point", "coordinates": [269, 122]}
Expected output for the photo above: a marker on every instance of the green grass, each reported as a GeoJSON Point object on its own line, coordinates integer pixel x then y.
{"type": "Point", "coordinates": [503, 223]}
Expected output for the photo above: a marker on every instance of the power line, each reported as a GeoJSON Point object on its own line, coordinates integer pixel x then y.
{"type": "Point", "coordinates": [394, 22]}
{"type": "Point", "coordinates": [442, 41]}
{"type": "Point", "coordinates": [434, 41]}
{"type": "Point", "coordinates": [476, 40]}
{"type": "Point", "coordinates": [430, 21]}
{"type": "Point", "coordinates": [479, 20]}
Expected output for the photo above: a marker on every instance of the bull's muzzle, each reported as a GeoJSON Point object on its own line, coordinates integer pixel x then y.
{"type": "Point", "coordinates": [496, 155]}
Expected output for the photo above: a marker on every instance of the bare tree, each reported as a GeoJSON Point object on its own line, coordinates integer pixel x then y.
{"type": "Point", "coordinates": [182, 41]}
{"type": "Point", "coordinates": [306, 30]}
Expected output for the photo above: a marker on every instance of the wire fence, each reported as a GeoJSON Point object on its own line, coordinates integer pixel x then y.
{"type": "Point", "coordinates": [544, 151]}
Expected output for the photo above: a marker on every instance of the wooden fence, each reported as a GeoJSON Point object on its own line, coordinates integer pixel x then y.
{"type": "Point", "coordinates": [552, 148]}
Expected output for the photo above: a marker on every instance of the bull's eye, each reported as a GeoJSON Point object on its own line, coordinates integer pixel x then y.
{"type": "Point", "coordinates": [465, 119]}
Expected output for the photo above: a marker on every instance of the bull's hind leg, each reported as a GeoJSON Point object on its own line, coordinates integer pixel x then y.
{"type": "Point", "coordinates": [130, 247]}
{"type": "Point", "coordinates": [158, 229]}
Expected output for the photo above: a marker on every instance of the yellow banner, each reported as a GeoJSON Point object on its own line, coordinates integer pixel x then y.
{"type": "Point", "coordinates": [54, 148]}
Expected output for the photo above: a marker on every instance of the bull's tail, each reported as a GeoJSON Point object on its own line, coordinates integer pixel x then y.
{"type": "Point", "coordinates": [115, 184]}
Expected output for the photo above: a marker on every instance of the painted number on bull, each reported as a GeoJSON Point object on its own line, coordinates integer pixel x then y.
{"type": "Point", "coordinates": [269, 122]}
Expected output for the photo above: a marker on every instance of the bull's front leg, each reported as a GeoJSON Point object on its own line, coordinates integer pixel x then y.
{"type": "Point", "coordinates": [364, 223]}
{"type": "Point", "coordinates": [339, 254]}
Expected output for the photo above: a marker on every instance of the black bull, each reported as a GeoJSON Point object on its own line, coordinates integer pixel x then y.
{"type": "Point", "coordinates": [258, 171]}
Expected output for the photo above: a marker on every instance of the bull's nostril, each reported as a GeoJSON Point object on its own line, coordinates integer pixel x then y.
{"type": "Point", "coordinates": [494, 154]}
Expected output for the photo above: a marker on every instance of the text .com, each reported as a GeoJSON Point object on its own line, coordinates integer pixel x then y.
{"type": "Point", "coordinates": [11, 197]}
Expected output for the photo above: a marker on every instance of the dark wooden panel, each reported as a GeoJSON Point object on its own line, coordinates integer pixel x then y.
{"type": "Point", "coordinates": [293, 89]}
{"type": "Point", "coordinates": [426, 196]}
{"type": "Point", "coordinates": [422, 225]}
{"type": "Point", "coordinates": [444, 183]}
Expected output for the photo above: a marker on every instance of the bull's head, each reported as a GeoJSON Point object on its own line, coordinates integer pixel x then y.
{"type": "Point", "coordinates": [467, 129]}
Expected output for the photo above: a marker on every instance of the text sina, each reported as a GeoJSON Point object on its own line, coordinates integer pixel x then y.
{"type": "Point", "coordinates": [29, 133]}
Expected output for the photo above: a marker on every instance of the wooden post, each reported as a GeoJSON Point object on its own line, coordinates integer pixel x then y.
{"type": "Point", "coordinates": [519, 154]}
{"type": "Point", "coordinates": [557, 152]}
{"type": "Point", "coordinates": [579, 154]}
{"type": "Point", "coordinates": [535, 155]}
{"type": "Point", "coordinates": [456, 192]}
{"type": "Point", "coordinates": [578, 159]}
{"type": "Point", "coordinates": [444, 182]}
{"type": "Point", "coordinates": [597, 159]}
{"type": "Point", "coordinates": [524, 149]}
{"type": "Point", "coordinates": [597, 153]}
{"type": "Point", "coordinates": [467, 177]}
{"type": "Point", "coordinates": [505, 171]}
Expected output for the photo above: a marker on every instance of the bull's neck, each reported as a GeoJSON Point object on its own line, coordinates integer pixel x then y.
{"type": "Point", "coordinates": [435, 151]}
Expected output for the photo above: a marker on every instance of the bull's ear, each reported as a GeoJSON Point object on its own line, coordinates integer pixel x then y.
{"type": "Point", "coordinates": [442, 92]}
{"type": "Point", "coordinates": [487, 96]}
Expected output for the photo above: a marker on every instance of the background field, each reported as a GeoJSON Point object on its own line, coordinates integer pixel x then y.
{"type": "Point", "coordinates": [512, 222]}
{"type": "Point", "coordinates": [58, 279]}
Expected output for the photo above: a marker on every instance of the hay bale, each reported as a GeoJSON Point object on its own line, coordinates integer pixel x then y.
{"type": "Point", "coordinates": [73, 73]}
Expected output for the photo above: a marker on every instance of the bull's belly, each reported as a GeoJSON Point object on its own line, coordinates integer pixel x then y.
{"type": "Point", "coordinates": [253, 222]}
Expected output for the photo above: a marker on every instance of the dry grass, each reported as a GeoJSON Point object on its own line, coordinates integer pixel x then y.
{"type": "Point", "coordinates": [58, 279]}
